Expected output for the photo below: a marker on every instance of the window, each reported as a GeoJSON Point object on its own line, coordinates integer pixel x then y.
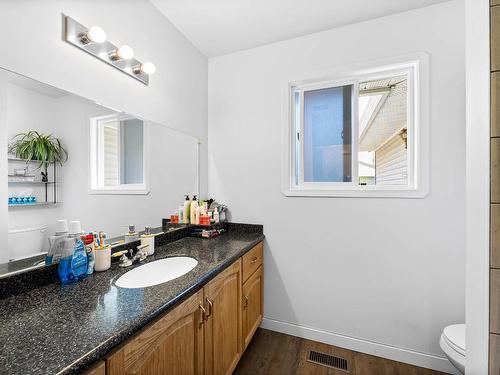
{"type": "Point", "coordinates": [360, 133]}
{"type": "Point", "coordinates": [117, 155]}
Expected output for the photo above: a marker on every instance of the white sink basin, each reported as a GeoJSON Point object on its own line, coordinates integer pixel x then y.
{"type": "Point", "coordinates": [157, 272]}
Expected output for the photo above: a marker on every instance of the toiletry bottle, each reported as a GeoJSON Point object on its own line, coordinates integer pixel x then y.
{"type": "Point", "coordinates": [192, 210]}
{"type": "Point", "coordinates": [88, 241]}
{"type": "Point", "coordinates": [197, 215]}
{"type": "Point", "coordinates": [132, 235]}
{"type": "Point", "coordinates": [180, 212]}
{"type": "Point", "coordinates": [148, 239]}
{"type": "Point", "coordinates": [216, 215]}
{"type": "Point", "coordinates": [56, 243]}
{"type": "Point", "coordinates": [74, 264]}
{"type": "Point", "coordinates": [185, 213]}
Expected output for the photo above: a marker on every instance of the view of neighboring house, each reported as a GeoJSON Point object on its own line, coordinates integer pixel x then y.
{"type": "Point", "coordinates": [383, 157]}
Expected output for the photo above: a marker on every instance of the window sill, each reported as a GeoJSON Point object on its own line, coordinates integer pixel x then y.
{"type": "Point", "coordinates": [360, 192]}
{"type": "Point", "coordinates": [119, 191]}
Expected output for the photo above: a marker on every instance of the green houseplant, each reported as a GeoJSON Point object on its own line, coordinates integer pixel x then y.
{"type": "Point", "coordinates": [42, 148]}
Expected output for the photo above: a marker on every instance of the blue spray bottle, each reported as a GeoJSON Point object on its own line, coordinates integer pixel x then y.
{"type": "Point", "coordinates": [74, 263]}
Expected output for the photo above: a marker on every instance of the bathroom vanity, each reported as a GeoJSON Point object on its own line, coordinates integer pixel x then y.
{"type": "Point", "coordinates": [205, 334]}
{"type": "Point", "coordinates": [199, 323]}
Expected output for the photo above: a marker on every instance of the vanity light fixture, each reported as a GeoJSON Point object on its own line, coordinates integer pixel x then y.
{"type": "Point", "coordinates": [147, 68]}
{"type": "Point", "coordinates": [123, 53]}
{"type": "Point", "coordinates": [94, 35]}
{"type": "Point", "coordinates": [93, 41]}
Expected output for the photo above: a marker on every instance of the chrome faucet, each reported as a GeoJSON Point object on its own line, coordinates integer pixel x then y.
{"type": "Point", "coordinates": [141, 254]}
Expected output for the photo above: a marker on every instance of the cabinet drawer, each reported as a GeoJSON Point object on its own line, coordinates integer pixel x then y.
{"type": "Point", "coordinates": [252, 260]}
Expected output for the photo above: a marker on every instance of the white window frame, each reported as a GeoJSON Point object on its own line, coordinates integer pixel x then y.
{"type": "Point", "coordinates": [416, 66]}
{"type": "Point", "coordinates": [95, 187]}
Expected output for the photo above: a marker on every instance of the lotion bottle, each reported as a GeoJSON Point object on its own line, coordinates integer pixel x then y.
{"type": "Point", "coordinates": [185, 213]}
{"type": "Point", "coordinates": [192, 210]}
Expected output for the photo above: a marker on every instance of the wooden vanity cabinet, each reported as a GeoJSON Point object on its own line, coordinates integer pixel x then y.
{"type": "Point", "coordinates": [223, 344]}
{"type": "Point", "coordinates": [98, 368]}
{"type": "Point", "coordinates": [171, 345]}
{"type": "Point", "coordinates": [205, 334]}
{"type": "Point", "coordinates": [252, 305]}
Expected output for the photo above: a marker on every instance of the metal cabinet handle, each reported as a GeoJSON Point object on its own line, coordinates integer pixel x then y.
{"type": "Point", "coordinates": [210, 304]}
{"type": "Point", "coordinates": [246, 301]}
{"type": "Point", "coordinates": [203, 314]}
{"type": "Point", "coordinates": [254, 259]}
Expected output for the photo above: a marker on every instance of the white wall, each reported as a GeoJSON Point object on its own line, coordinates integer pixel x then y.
{"type": "Point", "coordinates": [478, 184]}
{"type": "Point", "coordinates": [28, 110]}
{"type": "Point", "coordinates": [383, 276]}
{"type": "Point", "coordinates": [30, 36]}
{"type": "Point", "coordinates": [68, 118]}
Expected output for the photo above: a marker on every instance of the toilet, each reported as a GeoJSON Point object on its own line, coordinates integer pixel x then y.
{"type": "Point", "coordinates": [26, 241]}
{"type": "Point", "coordinates": [452, 342]}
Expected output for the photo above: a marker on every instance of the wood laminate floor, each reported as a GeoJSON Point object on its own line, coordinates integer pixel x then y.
{"type": "Point", "coordinates": [276, 353]}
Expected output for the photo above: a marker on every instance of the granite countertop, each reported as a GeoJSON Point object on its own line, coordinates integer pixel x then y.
{"type": "Point", "coordinates": [58, 329]}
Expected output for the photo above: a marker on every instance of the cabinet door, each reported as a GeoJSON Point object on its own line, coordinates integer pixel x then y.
{"type": "Point", "coordinates": [252, 305]}
{"type": "Point", "coordinates": [171, 345]}
{"type": "Point", "coordinates": [223, 344]}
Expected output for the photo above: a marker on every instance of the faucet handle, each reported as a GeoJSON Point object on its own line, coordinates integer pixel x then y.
{"type": "Point", "coordinates": [142, 251]}
{"type": "Point", "coordinates": [125, 261]}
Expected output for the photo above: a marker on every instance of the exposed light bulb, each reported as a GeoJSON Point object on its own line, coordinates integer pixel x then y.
{"type": "Point", "coordinates": [96, 35]}
{"type": "Point", "coordinates": [148, 68]}
{"type": "Point", "coordinates": [125, 52]}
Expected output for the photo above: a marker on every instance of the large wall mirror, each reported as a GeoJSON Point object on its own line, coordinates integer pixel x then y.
{"type": "Point", "coordinates": [116, 170]}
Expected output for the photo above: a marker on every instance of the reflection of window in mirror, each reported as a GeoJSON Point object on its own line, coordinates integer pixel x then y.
{"type": "Point", "coordinates": [117, 155]}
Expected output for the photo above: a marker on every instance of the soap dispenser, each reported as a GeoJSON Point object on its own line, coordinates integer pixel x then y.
{"type": "Point", "coordinates": [131, 235]}
{"type": "Point", "coordinates": [185, 212]}
{"type": "Point", "coordinates": [192, 210]}
{"type": "Point", "coordinates": [148, 239]}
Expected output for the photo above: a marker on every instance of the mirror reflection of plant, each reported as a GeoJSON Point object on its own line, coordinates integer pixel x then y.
{"type": "Point", "coordinates": [43, 148]}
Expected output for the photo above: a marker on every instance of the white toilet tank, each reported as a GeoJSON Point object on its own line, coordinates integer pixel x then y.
{"type": "Point", "coordinates": [26, 241]}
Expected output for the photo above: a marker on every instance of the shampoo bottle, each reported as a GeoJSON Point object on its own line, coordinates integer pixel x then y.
{"type": "Point", "coordinates": [192, 210]}
{"type": "Point", "coordinates": [185, 212]}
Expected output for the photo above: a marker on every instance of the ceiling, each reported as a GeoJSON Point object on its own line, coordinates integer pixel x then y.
{"type": "Point", "coordinates": [219, 27]}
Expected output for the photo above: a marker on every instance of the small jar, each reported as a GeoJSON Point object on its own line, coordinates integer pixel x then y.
{"type": "Point", "coordinates": [102, 258]}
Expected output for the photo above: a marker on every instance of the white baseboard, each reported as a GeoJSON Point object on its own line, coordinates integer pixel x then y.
{"type": "Point", "coordinates": [364, 346]}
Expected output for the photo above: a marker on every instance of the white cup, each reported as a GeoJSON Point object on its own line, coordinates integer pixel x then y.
{"type": "Point", "coordinates": [102, 258]}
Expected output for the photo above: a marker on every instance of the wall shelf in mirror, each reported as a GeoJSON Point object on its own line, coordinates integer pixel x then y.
{"type": "Point", "coordinates": [36, 197]}
{"type": "Point", "coordinates": [37, 204]}
{"type": "Point", "coordinates": [32, 182]}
